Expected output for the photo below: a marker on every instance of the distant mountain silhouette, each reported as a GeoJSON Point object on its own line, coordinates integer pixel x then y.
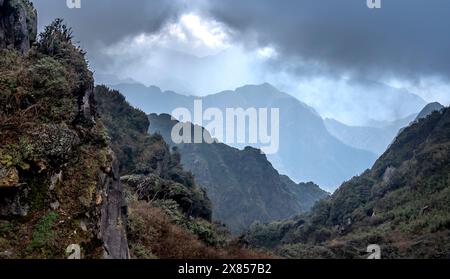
{"type": "Point", "coordinates": [376, 139]}
{"type": "Point", "coordinates": [308, 152]}
{"type": "Point", "coordinates": [373, 139]}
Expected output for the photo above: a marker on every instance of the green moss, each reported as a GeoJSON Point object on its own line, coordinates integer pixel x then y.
{"type": "Point", "coordinates": [44, 232]}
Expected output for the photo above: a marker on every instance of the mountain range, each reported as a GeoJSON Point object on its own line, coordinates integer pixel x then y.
{"type": "Point", "coordinates": [307, 151]}
{"type": "Point", "coordinates": [242, 184]}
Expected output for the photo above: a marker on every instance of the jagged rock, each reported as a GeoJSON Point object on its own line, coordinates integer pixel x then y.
{"type": "Point", "coordinates": [87, 106]}
{"type": "Point", "coordinates": [113, 216]}
{"type": "Point", "coordinates": [9, 177]}
{"type": "Point", "coordinates": [18, 24]}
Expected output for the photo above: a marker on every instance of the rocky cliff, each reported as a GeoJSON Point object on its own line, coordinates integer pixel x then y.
{"type": "Point", "coordinates": [18, 24]}
{"type": "Point", "coordinates": [59, 181]}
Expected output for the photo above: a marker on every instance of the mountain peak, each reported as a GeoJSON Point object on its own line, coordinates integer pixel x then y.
{"type": "Point", "coordinates": [429, 109]}
{"type": "Point", "coordinates": [264, 87]}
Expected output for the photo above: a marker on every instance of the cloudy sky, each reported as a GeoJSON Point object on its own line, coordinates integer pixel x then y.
{"type": "Point", "coordinates": [316, 50]}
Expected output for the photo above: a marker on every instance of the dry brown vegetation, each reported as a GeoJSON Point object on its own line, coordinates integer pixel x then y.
{"type": "Point", "coordinates": [152, 235]}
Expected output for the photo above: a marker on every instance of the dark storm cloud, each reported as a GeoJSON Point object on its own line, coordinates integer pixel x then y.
{"type": "Point", "coordinates": [109, 21]}
{"type": "Point", "coordinates": [405, 38]}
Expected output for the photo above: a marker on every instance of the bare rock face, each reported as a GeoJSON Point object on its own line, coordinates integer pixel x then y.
{"type": "Point", "coordinates": [113, 215]}
{"type": "Point", "coordinates": [18, 24]}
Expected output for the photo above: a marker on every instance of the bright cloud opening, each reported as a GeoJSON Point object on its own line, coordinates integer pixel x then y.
{"type": "Point", "coordinates": [267, 52]}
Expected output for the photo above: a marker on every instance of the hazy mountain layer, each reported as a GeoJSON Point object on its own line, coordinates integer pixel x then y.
{"type": "Point", "coordinates": [308, 152]}
{"type": "Point", "coordinates": [375, 139]}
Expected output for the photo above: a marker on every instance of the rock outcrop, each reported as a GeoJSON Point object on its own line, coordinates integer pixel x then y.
{"type": "Point", "coordinates": [113, 215]}
{"type": "Point", "coordinates": [18, 24]}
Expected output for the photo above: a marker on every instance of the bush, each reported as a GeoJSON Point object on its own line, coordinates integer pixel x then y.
{"type": "Point", "coordinates": [49, 76]}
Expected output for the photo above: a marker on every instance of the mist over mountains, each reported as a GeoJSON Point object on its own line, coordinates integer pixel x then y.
{"type": "Point", "coordinates": [377, 137]}
{"type": "Point", "coordinates": [373, 139]}
{"type": "Point", "coordinates": [359, 102]}
{"type": "Point", "coordinates": [308, 152]}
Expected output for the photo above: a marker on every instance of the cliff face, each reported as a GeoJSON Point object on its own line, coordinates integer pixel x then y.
{"type": "Point", "coordinates": [59, 180]}
{"type": "Point", "coordinates": [18, 24]}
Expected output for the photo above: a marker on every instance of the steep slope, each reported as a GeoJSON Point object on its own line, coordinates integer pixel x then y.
{"type": "Point", "coordinates": [401, 204]}
{"type": "Point", "coordinates": [317, 156]}
{"type": "Point", "coordinates": [242, 184]}
{"type": "Point", "coordinates": [59, 183]}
